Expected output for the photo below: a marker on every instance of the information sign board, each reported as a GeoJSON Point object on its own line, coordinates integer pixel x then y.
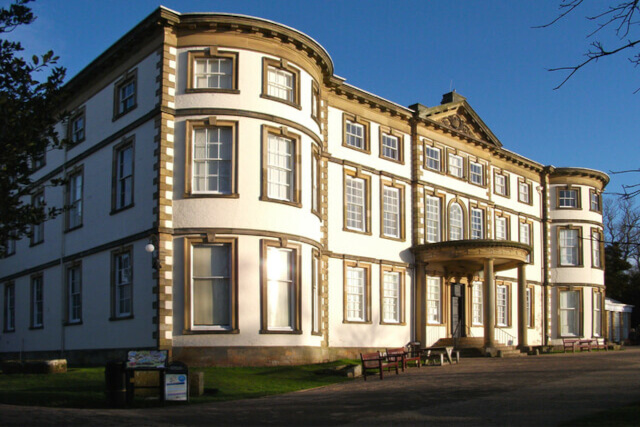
{"type": "Point", "coordinates": [175, 387]}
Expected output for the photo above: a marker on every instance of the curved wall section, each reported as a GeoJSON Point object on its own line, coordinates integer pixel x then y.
{"type": "Point", "coordinates": [250, 89]}
{"type": "Point", "coordinates": [246, 194]}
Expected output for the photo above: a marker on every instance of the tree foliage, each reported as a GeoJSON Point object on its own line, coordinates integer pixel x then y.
{"type": "Point", "coordinates": [30, 98]}
{"type": "Point", "coordinates": [620, 19]}
{"type": "Point", "coordinates": [621, 219]}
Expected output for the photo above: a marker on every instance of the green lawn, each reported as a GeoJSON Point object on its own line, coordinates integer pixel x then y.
{"type": "Point", "coordinates": [85, 387]}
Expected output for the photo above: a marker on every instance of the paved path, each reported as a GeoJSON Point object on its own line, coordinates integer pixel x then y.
{"type": "Point", "coordinates": [543, 390]}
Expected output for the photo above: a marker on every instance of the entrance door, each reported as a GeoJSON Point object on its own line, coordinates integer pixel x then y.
{"type": "Point", "coordinates": [457, 310]}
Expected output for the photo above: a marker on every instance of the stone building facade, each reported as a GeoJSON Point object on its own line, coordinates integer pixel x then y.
{"type": "Point", "coordinates": [235, 202]}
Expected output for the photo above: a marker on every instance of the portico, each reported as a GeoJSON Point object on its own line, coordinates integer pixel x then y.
{"type": "Point", "coordinates": [473, 260]}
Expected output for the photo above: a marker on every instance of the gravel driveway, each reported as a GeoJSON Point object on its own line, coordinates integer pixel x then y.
{"type": "Point", "coordinates": [536, 390]}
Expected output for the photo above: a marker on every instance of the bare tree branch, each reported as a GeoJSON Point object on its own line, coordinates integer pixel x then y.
{"type": "Point", "coordinates": [627, 171]}
{"type": "Point", "coordinates": [621, 219]}
{"type": "Point", "coordinates": [570, 6]}
{"type": "Point", "coordinates": [592, 55]}
{"type": "Point", "coordinates": [620, 18]}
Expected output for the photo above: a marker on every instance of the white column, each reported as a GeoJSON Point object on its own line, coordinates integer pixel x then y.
{"type": "Point", "coordinates": [489, 304]}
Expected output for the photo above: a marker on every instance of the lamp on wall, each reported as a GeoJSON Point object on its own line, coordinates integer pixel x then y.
{"type": "Point", "coordinates": [152, 248]}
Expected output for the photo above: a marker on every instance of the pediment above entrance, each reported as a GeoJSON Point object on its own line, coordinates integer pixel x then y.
{"type": "Point", "coordinates": [462, 123]}
{"type": "Point", "coordinates": [456, 114]}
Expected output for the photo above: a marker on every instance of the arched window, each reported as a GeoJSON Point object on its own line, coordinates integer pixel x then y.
{"type": "Point", "coordinates": [456, 231]}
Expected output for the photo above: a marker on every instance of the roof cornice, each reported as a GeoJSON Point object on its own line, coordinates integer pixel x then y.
{"type": "Point", "coordinates": [497, 151]}
{"type": "Point", "coordinates": [340, 87]}
{"type": "Point", "coordinates": [597, 175]}
{"type": "Point", "coordinates": [266, 28]}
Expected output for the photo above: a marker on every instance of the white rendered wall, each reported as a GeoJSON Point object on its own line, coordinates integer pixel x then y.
{"type": "Point", "coordinates": [249, 305]}
{"type": "Point", "coordinates": [371, 334]}
{"type": "Point", "coordinates": [254, 217]}
{"type": "Point", "coordinates": [96, 309]}
{"type": "Point", "coordinates": [586, 220]}
{"type": "Point", "coordinates": [99, 227]}
{"type": "Point", "coordinates": [247, 211]}
{"type": "Point", "coordinates": [250, 86]}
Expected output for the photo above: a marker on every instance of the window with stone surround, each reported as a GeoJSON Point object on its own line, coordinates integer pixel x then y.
{"type": "Point", "coordinates": [281, 82]}
{"type": "Point", "coordinates": [357, 292]}
{"type": "Point", "coordinates": [280, 287]}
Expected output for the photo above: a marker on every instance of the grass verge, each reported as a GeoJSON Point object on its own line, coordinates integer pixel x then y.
{"type": "Point", "coordinates": [85, 387]}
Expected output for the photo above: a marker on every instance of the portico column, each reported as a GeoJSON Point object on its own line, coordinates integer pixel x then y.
{"type": "Point", "coordinates": [489, 304]}
{"type": "Point", "coordinates": [421, 304]}
{"type": "Point", "coordinates": [522, 306]}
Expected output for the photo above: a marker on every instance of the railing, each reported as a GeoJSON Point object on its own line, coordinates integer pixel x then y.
{"type": "Point", "coordinates": [504, 337]}
{"type": "Point", "coordinates": [457, 335]}
{"type": "Point", "coordinates": [501, 335]}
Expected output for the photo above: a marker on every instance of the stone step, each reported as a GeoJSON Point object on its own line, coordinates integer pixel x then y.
{"type": "Point", "coordinates": [474, 347]}
{"type": "Point", "coordinates": [466, 342]}
{"type": "Point", "coordinates": [511, 353]}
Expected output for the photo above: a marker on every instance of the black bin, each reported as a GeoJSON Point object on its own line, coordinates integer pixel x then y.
{"type": "Point", "coordinates": [115, 383]}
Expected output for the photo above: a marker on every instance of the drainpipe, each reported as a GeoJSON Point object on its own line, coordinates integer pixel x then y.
{"type": "Point", "coordinates": [546, 229]}
{"type": "Point", "coordinates": [414, 293]}
{"type": "Point", "coordinates": [63, 293]}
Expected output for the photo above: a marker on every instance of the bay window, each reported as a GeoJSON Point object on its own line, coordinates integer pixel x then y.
{"type": "Point", "coordinates": [281, 82]}
{"type": "Point", "coordinates": [569, 313]}
{"type": "Point", "coordinates": [281, 170]}
{"type": "Point", "coordinates": [280, 287]}
{"type": "Point", "coordinates": [212, 70]}
{"type": "Point", "coordinates": [569, 246]}
{"type": "Point", "coordinates": [568, 198]}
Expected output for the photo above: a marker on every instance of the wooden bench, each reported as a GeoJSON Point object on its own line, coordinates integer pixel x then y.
{"type": "Point", "coordinates": [570, 343]}
{"type": "Point", "coordinates": [413, 354]}
{"type": "Point", "coordinates": [372, 361]}
{"type": "Point", "coordinates": [397, 356]}
{"type": "Point", "coordinates": [585, 344]}
{"type": "Point", "coordinates": [600, 344]}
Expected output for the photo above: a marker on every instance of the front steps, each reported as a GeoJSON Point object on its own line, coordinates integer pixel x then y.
{"type": "Point", "coordinates": [474, 347]}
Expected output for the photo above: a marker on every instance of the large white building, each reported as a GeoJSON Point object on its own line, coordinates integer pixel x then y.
{"type": "Point", "coordinates": [294, 217]}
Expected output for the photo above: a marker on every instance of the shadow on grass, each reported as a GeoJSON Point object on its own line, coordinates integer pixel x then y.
{"type": "Point", "coordinates": [85, 387]}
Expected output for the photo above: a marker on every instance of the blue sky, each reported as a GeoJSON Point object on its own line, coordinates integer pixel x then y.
{"type": "Point", "coordinates": [414, 51]}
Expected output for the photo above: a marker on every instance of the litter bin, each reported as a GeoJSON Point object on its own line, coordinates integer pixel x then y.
{"type": "Point", "coordinates": [176, 382]}
{"type": "Point", "coordinates": [115, 383]}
